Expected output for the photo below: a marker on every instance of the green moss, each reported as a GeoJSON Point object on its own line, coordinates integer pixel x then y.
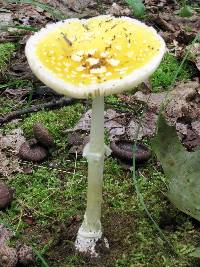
{"type": "Point", "coordinates": [19, 83]}
{"type": "Point", "coordinates": [5, 105]}
{"type": "Point", "coordinates": [112, 99]}
{"type": "Point", "coordinates": [149, 249]}
{"type": "Point", "coordinates": [54, 120]}
{"type": "Point", "coordinates": [163, 76]}
{"type": "Point", "coordinates": [116, 187]}
{"type": "Point", "coordinates": [53, 195]}
{"type": "Point", "coordinates": [6, 50]}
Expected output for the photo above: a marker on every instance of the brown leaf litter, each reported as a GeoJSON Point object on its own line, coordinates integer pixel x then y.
{"type": "Point", "coordinates": [176, 31]}
{"type": "Point", "coordinates": [194, 54]}
{"type": "Point", "coordinates": [9, 149]}
{"type": "Point", "coordinates": [10, 256]}
{"type": "Point", "coordinates": [118, 125]}
{"type": "Point", "coordinates": [182, 109]}
{"type": "Point", "coordinates": [119, 10]}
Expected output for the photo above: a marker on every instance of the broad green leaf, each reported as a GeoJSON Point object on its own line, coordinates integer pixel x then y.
{"type": "Point", "coordinates": [137, 7]}
{"type": "Point", "coordinates": [185, 11]}
{"type": "Point", "coordinates": [181, 167]}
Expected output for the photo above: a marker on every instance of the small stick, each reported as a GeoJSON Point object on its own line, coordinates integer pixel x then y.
{"type": "Point", "coordinates": [66, 39]}
{"type": "Point", "coordinates": [52, 104]}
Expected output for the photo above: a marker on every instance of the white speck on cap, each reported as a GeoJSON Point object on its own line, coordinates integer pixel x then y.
{"type": "Point", "coordinates": [102, 69]}
{"type": "Point", "coordinates": [92, 61]}
{"type": "Point", "coordinates": [113, 62]}
{"type": "Point", "coordinates": [76, 58]}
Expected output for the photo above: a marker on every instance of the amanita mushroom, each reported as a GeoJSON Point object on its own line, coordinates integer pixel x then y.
{"type": "Point", "coordinates": [94, 58]}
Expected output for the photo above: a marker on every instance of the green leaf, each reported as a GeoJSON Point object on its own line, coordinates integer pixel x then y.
{"type": "Point", "coordinates": [181, 167]}
{"type": "Point", "coordinates": [137, 7]}
{"type": "Point", "coordinates": [185, 11]}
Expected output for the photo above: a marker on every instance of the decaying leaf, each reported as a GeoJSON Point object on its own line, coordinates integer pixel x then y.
{"type": "Point", "coordinates": [118, 125]}
{"type": "Point", "coordinates": [9, 148]}
{"type": "Point", "coordinates": [77, 5]}
{"type": "Point", "coordinates": [182, 94]}
{"type": "Point", "coordinates": [146, 127]}
{"type": "Point", "coordinates": [5, 234]}
{"type": "Point", "coordinates": [181, 167]}
{"type": "Point", "coordinates": [194, 54]}
{"type": "Point", "coordinates": [114, 127]}
{"type": "Point", "coordinates": [153, 100]}
{"type": "Point", "coordinates": [18, 93]}
{"type": "Point", "coordinates": [182, 110]}
{"type": "Point", "coordinates": [118, 10]}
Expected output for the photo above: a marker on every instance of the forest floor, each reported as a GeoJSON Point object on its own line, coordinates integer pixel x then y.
{"type": "Point", "coordinates": [50, 196]}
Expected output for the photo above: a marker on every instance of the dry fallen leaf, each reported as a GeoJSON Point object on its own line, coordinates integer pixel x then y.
{"type": "Point", "coordinates": [77, 5]}
{"type": "Point", "coordinates": [194, 54]}
{"type": "Point", "coordinates": [9, 148]}
{"type": "Point", "coordinates": [118, 10]}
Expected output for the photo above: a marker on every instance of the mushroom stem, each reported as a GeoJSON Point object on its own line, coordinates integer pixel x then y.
{"type": "Point", "coordinates": [90, 230]}
{"type": "Point", "coordinates": [95, 166]}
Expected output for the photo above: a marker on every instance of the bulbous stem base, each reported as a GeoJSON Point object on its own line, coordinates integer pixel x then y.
{"type": "Point", "coordinates": [86, 241]}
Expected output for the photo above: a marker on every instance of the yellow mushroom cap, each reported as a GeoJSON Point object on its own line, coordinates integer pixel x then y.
{"type": "Point", "coordinates": [101, 55]}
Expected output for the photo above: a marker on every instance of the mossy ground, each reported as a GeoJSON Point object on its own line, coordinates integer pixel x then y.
{"type": "Point", "coordinates": [49, 205]}
{"type": "Point", "coordinates": [49, 202]}
{"type": "Point", "coordinates": [6, 50]}
{"type": "Point", "coordinates": [162, 77]}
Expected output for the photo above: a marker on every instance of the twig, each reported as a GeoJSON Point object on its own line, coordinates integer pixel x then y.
{"type": "Point", "coordinates": [66, 39]}
{"type": "Point", "coordinates": [52, 104]}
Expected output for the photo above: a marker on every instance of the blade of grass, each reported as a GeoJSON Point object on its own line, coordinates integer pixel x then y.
{"type": "Point", "coordinates": [140, 197]}
{"type": "Point", "coordinates": [142, 203]}
{"type": "Point", "coordinates": [41, 258]}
